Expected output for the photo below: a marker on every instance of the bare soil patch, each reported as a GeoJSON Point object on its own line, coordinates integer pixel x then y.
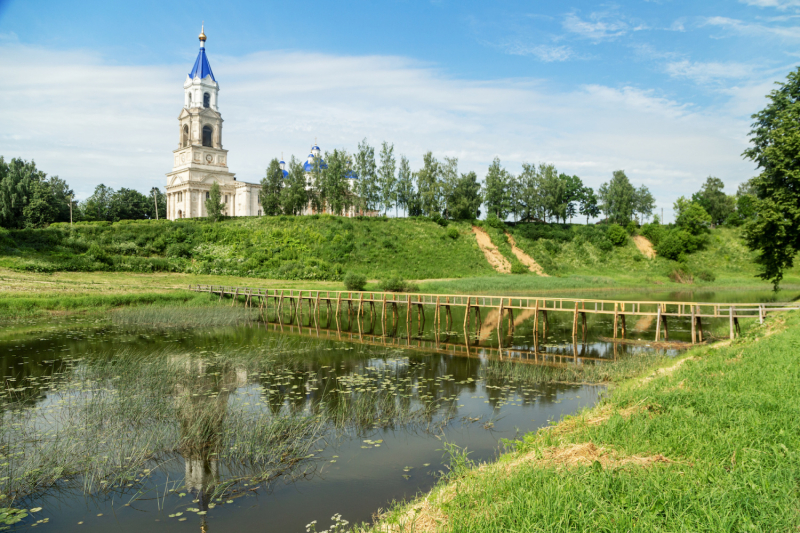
{"type": "Point", "coordinates": [493, 255]}
{"type": "Point", "coordinates": [644, 246]}
{"type": "Point", "coordinates": [524, 258]}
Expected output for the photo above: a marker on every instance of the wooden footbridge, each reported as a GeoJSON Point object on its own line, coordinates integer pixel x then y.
{"type": "Point", "coordinates": [390, 302]}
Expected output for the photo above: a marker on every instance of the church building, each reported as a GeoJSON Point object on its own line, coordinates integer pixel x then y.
{"type": "Point", "coordinates": [200, 160]}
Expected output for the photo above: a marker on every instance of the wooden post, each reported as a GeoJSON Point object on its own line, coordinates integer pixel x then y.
{"type": "Point", "coordinates": [575, 322]}
{"type": "Point", "coordinates": [466, 316]}
{"type": "Point", "coordinates": [730, 319]}
{"type": "Point", "coordinates": [360, 303]}
{"type": "Point", "coordinates": [700, 329]}
{"type": "Point", "coordinates": [536, 321]}
{"type": "Point", "coordinates": [338, 304]}
{"type": "Point", "coordinates": [408, 314]}
{"type": "Point", "coordinates": [221, 292]}
{"type": "Point", "coordinates": [658, 324]}
{"type": "Point", "coordinates": [761, 314]}
{"type": "Point", "coordinates": [437, 319]}
{"type": "Point", "coordinates": [500, 324]}
{"type": "Point", "coordinates": [616, 319]}
{"type": "Point", "coordinates": [624, 328]}
{"type": "Point", "coordinates": [694, 327]}
{"type": "Point", "coordinates": [666, 327]}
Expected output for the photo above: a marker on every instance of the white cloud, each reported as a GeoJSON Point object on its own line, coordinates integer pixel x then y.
{"type": "Point", "coordinates": [90, 122]}
{"type": "Point", "coordinates": [701, 72]}
{"type": "Point", "coordinates": [599, 27]}
{"type": "Point", "coordinates": [543, 52]}
{"type": "Point", "coordinates": [779, 4]}
{"type": "Point", "coordinates": [784, 32]}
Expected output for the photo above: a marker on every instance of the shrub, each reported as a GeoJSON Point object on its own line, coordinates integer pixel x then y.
{"type": "Point", "coordinates": [632, 227]}
{"type": "Point", "coordinates": [617, 235]}
{"type": "Point", "coordinates": [493, 222]}
{"type": "Point", "coordinates": [397, 284]}
{"type": "Point", "coordinates": [452, 233]}
{"type": "Point", "coordinates": [653, 232]}
{"type": "Point", "coordinates": [355, 282]}
{"type": "Point", "coordinates": [706, 275]}
{"type": "Point", "coordinates": [679, 275]}
{"type": "Point", "coordinates": [98, 254]}
{"type": "Point", "coordinates": [179, 249]}
{"type": "Point", "coordinates": [677, 243]}
{"type": "Point", "coordinates": [553, 232]}
{"type": "Point", "coordinates": [436, 217]}
{"type": "Point", "coordinates": [518, 268]}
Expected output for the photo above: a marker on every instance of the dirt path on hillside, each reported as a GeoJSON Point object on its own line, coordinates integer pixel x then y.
{"type": "Point", "coordinates": [525, 259]}
{"type": "Point", "coordinates": [644, 246]}
{"type": "Point", "coordinates": [491, 252]}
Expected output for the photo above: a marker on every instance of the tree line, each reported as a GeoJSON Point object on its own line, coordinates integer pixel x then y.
{"type": "Point", "coordinates": [29, 198]}
{"type": "Point", "coordinates": [438, 189]}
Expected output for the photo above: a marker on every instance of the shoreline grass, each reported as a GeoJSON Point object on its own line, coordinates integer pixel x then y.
{"type": "Point", "coordinates": [707, 444]}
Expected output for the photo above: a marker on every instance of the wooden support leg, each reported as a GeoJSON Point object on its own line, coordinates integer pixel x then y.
{"type": "Point", "coordinates": [730, 320]}
{"type": "Point", "coordinates": [616, 323]}
{"type": "Point", "coordinates": [658, 324]}
{"type": "Point", "coordinates": [694, 327]}
{"type": "Point", "coordinates": [666, 327]}
{"type": "Point", "coordinates": [584, 329]}
{"type": "Point", "coordinates": [575, 321]}
{"type": "Point", "coordinates": [624, 329]}
{"type": "Point", "coordinates": [699, 329]}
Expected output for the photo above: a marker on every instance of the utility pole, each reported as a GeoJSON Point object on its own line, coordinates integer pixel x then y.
{"type": "Point", "coordinates": [662, 216]}
{"type": "Point", "coordinates": [70, 212]}
{"type": "Point", "coordinates": [155, 201]}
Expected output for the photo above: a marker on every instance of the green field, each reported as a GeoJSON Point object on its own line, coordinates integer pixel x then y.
{"type": "Point", "coordinates": [709, 443]}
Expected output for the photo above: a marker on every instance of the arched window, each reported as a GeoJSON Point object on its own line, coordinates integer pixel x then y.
{"type": "Point", "coordinates": [190, 99]}
{"type": "Point", "coordinates": [206, 100]}
{"type": "Point", "coordinates": [185, 136]}
{"type": "Point", "coordinates": [207, 134]}
{"type": "Point", "coordinates": [208, 195]}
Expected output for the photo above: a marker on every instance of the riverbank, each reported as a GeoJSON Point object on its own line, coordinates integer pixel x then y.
{"type": "Point", "coordinates": [708, 443]}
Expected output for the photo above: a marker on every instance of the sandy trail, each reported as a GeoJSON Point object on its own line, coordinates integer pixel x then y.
{"type": "Point", "coordinates": [524, 258]}
{"type": "Point", "coordinates": [491, 252]}
{"type": "Point", "coordinates": [644, 246]}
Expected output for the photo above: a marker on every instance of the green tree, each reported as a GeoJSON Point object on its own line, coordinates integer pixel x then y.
{"type": "Point", "coordinates": [691, 216]}
{"type": "Point", "coordinates": [466, 199]}
{"type": "Point", "coordinates": [315, 180]}
{"type": "Point", "coordinates": [405, 185]}
{"type": "Point", "coordinates": [496, 190]}
{"type": "Point", "coordinates": [368, 190]}
{"type": "Point", "coordinates": [294, 195]}
{"type": "Point", "coordinates": [530, 193]}
{"type": "Point", "coordinates": [17, 182]}
{"type": "Point", "coordinates": [716, 203]}
{"type": "Point", "coordinates": [98, 206]}
{"type": "Point", "coordinates": [61, 196]}
{"type": "Point", "coordinates": [616, 198]}
{"type": "Point", "coordinates": [514, 191]}
{"type": "Point", "coordinates": [214, 205]}
{"type": "Point", "coordinates": [588, 203]}
{"type": "Point", "coordinates": [41, 209]}
{"type": "Point", "coordinates": [271, 189]}
{"type": "Point", "coordinates": [429, 185]}
{"type": "Point", "coordinates": [554, 192]}
{"type": "Point", "coordinates": [337, 190]}
{"type": "Point", "coordinates": [128, 204]}
{"type": "Point", "coordinates": [449, 181]}
{"type": "Point", "coordinates": [643, 203]}
{"type": "Point", "coordinates": [775, 232]}
{"type": "Point", "coordinates": [572, 195]}
{"type": "Point", "coordinates": [386, 176]}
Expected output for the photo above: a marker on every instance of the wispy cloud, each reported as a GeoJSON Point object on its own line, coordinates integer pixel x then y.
{"type": "Point", "coordinates": [598, 27]}
{"type": "Point", "coordinates": [707, 72]}
{"type": "Point", "coordinates": [779, 4]}
{"type": "Point", "coordinates": [749, 28]}
{"type": "Point", "coordinates": [543, 52]}
{"type": "Point", "coordinates": [107, 129]}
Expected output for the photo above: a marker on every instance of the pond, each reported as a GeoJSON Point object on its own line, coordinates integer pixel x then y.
{"type": "Point", "coordinates": [177, 419]}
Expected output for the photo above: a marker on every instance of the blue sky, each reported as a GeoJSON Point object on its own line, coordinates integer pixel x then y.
{"type": "Point", "coordinates": [661, 89]}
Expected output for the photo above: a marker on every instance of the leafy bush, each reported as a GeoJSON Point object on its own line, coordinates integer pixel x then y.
{"type": "Point", "coordinates": [653, 232]}
{"type": "Point", "coordinates": [397, 284]}
{"type": "Point", "coordinates": [679, 275]}
{"type": "Point", "coordinates": [179, 249]}
{"type": "Point", "coordinates": [617, 235]}
{"type": "Point", "coordinates": [677, 243]}
{"type": "Point", "coordinates": [98, 254]}
{"type": "Point", "coordinates": [553, 232]}
{"type": "Point", "coordinates": [632, 227]}
{"type": "Point", "coordinates": [436, 217]}
{"type": "Point", "coordinates": [355, 282]}
{"type": "Point", "coordinates": [518, 268]}
{"type": "Point", "coordinates": [706, 275]}
{"type": "Point", "coordinates": [452, 233]}
{"type": "Point", "coordinates": [493, 222]}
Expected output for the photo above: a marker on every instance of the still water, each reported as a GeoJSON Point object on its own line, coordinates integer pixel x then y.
{"type": "Point", "coordinates": [116, 425]}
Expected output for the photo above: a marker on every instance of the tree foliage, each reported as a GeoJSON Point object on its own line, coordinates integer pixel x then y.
{"type": "Point", "coordinates": [214, 205]}
{"type": "Point", "coordinates": [271, 189]}
{"type": "Point", "coordinates": [617, 198]}
{"type": "Point", "coordinates": [775, 139]}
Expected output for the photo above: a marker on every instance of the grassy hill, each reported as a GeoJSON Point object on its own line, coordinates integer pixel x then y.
{"type": "Point", "coordinates": [324, 248]}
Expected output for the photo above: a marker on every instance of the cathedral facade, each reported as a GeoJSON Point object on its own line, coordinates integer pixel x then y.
{"type": "Point", "coordinates": [200, 160]}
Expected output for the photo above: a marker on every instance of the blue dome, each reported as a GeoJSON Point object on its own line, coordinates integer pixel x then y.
{"type": "Point", "coordinates": [315, 147]}
{"type": "Point", "coordinates": [308, 167]}
{"type": "Point", "coordinates": [285, 174]}
{"type": "Point", "coordinates": [281, 162]}
{"type": "Point", "coordinates": [201, 67]}
{"type": "Point", "coordinates": [351, 175]}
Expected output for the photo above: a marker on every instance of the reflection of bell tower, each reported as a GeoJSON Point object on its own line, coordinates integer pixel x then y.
{"type": "Point", "coordinates": [199, 159]}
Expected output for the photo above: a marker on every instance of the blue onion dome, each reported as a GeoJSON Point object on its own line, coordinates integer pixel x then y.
{"type": "Point", "coordinates": [285, 174]}
{"type": "Point", "coordinates": [351, 175]}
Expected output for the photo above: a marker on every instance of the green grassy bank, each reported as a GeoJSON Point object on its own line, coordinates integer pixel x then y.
{"type": "Point", "coordinates": [708, 444]}
{"type": "Point", "coordinates": [324, 248]}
